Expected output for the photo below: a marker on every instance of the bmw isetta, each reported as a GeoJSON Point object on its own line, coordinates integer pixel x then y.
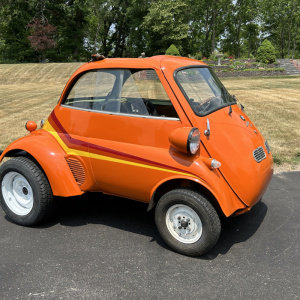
{"type": "Point", "coordinates": [161, 130]}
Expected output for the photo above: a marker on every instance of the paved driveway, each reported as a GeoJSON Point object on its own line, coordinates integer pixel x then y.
{"type": "Point", "coordinates": [99, 247]}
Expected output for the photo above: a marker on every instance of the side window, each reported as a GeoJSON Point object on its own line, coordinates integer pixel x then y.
{"type": "Point", "coordinates": [149, 88]}
{"type": "Point", "coordinates": [127, 91]}
{"type": "Point", "coordinates": [90, 89]}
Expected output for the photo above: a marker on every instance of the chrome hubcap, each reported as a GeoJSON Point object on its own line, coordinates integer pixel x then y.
{"type": "Point", "coordinates": [184, 224]}
{"type": "Point", "coordinates": [17, 193]}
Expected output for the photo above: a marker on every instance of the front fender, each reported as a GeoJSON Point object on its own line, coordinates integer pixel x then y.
{"type": "Point", "coordinates": [214, 183]}
{"type": "Point", "coordinates": [51, 157]}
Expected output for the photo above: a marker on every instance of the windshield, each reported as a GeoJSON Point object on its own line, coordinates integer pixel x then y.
{"type": "Point", "coordinates": [203, 90]}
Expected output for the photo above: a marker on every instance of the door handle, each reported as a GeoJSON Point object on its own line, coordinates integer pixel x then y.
{"type": "Point", "coordinates": [207, 131]}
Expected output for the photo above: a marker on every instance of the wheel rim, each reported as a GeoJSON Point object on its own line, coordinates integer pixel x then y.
{"type": "Point", "coordinates": [17, 193]}
{"type": "Point", "coordinates": [184, 224]}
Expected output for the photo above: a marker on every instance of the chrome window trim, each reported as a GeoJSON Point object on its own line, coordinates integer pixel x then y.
{"type": "Point", "coordinates": [121, 114]}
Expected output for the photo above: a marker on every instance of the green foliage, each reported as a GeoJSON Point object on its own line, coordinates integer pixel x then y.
{"type": "Point", "coordinates": [172, 50]}
{"type": "Point", "coordinates": [266, 52]}
{"type": "Point", "coordinates": [126, 28]}
{"type": "Point", "coordinates": [14, 45]}
{"type": "Point", "coordinates": [281, 21]}
{"type": "Point", "coordinates": [251, 70]}
{"type": "Point", "coordinates": [197, 56]}
{"type": "Point", "coordinates": [165, 23]}
{"type": "Point", "coordinates": [213, 57]}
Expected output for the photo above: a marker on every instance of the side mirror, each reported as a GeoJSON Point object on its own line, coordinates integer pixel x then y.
{"type": "Point", "coordinates": [185, 139]}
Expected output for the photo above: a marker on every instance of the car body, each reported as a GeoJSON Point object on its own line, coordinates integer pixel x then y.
{"type": "Point", "coordinates": [131, 127]}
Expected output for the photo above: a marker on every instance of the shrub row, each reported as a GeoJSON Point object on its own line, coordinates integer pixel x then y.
{"type": "Point", "coordinates": [251, 73]}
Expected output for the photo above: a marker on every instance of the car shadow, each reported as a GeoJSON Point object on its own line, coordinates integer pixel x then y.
{"type": "Point", "coordinates": [131, 216]}
{"type": "Point", "coordinates": [238, 229]}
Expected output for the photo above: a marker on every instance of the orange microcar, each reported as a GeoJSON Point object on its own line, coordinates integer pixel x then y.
{"type": "Point", "coordinates": [161, 130]}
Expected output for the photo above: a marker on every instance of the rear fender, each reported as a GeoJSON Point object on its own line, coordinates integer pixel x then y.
{"type": "Point", "coordinates": [51, 157]}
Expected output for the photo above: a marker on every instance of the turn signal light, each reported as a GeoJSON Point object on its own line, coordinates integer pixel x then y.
{"type": "Point", "coordinates": [30, 126]}
{"type": "Point", "coordinates": [211, 163]}
{"type": "Point", "coordinates": [215, 164]}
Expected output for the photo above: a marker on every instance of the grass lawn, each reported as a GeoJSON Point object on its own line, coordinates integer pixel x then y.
{"type": "Point", "coordinates": [273, 104]}
{"type": "Point", "coordinates": [30, 92]}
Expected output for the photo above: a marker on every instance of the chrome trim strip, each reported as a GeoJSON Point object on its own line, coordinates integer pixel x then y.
{"type": "Point", "coordinates": [121, 114]}
{"type": "Point", "coordinates": [267, 147]}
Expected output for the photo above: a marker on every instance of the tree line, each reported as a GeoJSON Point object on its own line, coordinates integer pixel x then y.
{"type": "Point", "coordinates": [70, 30]}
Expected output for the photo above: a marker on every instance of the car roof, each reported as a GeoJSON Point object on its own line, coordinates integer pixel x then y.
{"type": "Point", "coordinates": [154, 62]}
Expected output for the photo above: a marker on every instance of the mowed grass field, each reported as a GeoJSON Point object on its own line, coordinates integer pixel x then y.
{"type": "Point", "coordinates": [30, 92]}
{"type": "Point", "coordinates": [273, 105]}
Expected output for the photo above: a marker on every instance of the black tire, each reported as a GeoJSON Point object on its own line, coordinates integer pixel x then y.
{"type": "Point", "coordinates": [38, 190]}
{"type": "Point", "coordinates": [182, 200]}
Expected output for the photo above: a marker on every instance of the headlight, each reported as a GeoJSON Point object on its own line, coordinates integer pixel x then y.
{"type": "Point", "coordinates": [185, 139]}
{"type": "Point", "coordinates": [193, 143]}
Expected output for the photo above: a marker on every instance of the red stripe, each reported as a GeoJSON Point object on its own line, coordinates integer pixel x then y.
{"type": "Point", "coordinates": [71, 141]}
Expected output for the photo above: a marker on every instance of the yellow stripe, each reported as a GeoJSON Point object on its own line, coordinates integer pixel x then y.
{"type": "Point", "coordinates": [69, 151]}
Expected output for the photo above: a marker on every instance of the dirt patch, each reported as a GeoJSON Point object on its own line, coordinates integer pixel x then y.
{"type": "Point", "coordinates": [286, 168]}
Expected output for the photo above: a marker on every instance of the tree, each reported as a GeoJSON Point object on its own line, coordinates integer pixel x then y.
{"type": "Point", "coordinates": [40, 38]}
{"type": "Point", "coordinates": [172, 50]}
{"type": "Point", "coordinates": [122, 28]}
{"type": "Point", "coordinates": [14, 45]}
{"type": "Point", "coordinates": [281, 23]}
{"type": "Point", "coordinates": [71, 24]}
{"type": "Point", "coordinates": [208, 22]}
{"type": "Point", "coordinates": [166, 23]}
{"type": "Point", "coordinates": [241, 34]}
{"type": "Point", "coordinates": [266, 52]}
{"type": "Point", "coordinates": [114, 27]}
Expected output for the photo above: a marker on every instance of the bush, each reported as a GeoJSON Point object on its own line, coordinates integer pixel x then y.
{"type": "Point", "coordinates": [198, 55]}
{"type": "Point", "coordinates": [172, 50]}
{"type": "Point", "coordinates": [238, 65]}
{"type": "Point", "coordinates": [213, 57]}
{"type": "Point", "coordinates": [266, 52]}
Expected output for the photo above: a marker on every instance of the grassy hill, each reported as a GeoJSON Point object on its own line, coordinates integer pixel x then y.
{"type": "Point", "coordinates": [50, 73]}
{"type": "Point", "coordinates": [30, 92]}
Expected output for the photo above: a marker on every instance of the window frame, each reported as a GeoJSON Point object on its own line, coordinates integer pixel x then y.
{"type": "Point", "coordinates": [70, 87]}
{"type": "Point", "coordinates": [186, 96]}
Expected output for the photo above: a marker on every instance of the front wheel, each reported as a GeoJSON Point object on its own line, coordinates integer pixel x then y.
{"type": "Point", "coordinates": [187, 222]}
{"type": "Point", "coordinates": [25, 193]}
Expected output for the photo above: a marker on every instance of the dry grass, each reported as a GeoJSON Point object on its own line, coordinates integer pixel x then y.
{"type": "Point", "coordinates": [30, 91]}
{"type": "Point", "coordinates": [273, 104]}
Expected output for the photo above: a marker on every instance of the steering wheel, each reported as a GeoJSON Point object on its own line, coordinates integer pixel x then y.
{"type": "Point", "coordinates": [210, 103]}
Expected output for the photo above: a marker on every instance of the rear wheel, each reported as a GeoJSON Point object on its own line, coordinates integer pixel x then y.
{"type": "Point", "coordinates": [187, 222]}
{"type": "Point", "coordinates": [25, 194]}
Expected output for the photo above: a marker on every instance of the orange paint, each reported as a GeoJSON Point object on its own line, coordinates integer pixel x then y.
{"type": "Point", "coordinates": [30, 126]}
{"type": "Point", "coordinates": [132, 155]}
